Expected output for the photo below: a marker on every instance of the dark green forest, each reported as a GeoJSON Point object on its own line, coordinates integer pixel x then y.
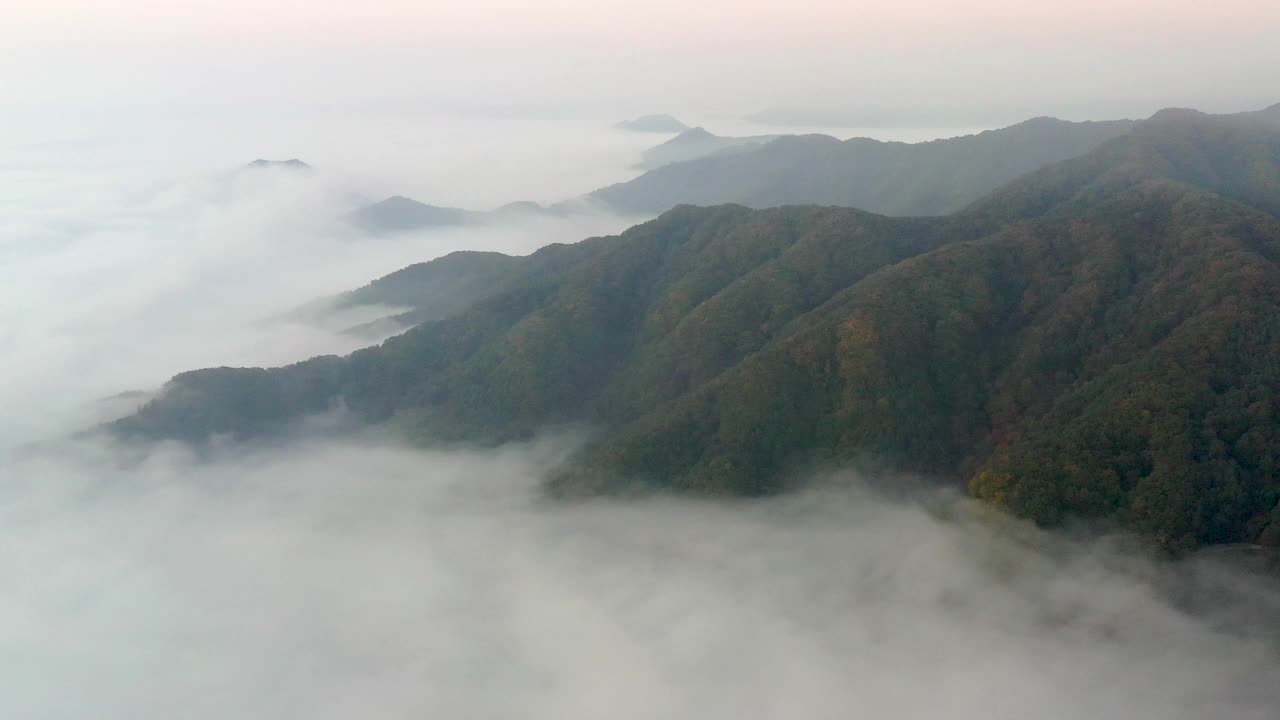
{"type": "Point", "coordinates": [1099, 339]}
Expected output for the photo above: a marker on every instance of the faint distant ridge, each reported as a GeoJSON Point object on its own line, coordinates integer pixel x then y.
{"type": "Point", "coordinates": [868, 117]}
{"type": "Point", "coordinates": [695, 143]}
{"type": "Point", "coordinates": [653, 124]}
{"type": "Point", "coordinates": [402, 214]}
{"type": "Point", "coordinates": [290, 164]}
{"type": "Point", "coordinates": [399, 214]}
{"type": "Point", "coordinates": [1269, 115]}
{"type": "Point", "coordinates": [891, 178]}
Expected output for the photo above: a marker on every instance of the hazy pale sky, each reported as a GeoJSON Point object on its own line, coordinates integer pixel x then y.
{"type": "Point", "coordinates": [1010, 58]}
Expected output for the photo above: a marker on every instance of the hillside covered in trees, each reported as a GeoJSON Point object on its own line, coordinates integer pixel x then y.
{"type": "Point", "coordinates": [1100, 338]}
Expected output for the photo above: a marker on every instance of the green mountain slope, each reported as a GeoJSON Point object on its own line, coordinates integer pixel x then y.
{"type": "Point", "coordinates": [1100, 338]}
{"type": "Point", "coordinates": [1116, 355]}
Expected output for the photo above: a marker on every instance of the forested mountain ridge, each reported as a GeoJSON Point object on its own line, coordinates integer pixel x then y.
{"type": "Point", "coordinates": [893, 178]}
{"type": "Point", "coordinates": [1101, 338]}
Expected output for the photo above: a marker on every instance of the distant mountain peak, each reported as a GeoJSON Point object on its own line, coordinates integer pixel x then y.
{"type": "Point", "coordinates": [653, 124]}
{"type": "Point", "coordinates": [1041, 120]}
{"type": "Point", "coordinates": [399, 213]}
{"type": "Point", "coordinates": [693, 134]}
{"type": "Point", "coordinates": [695, 143]}
{"type": "Point", "coordinates": [395, 200]}
{"type": "Point", "coordinates": [808, 140]}
{"type": "Point", "coordinates": [520, 205]}
{"type": "Point", "coordinates": [1272, 111]}
{"type": "Point", "coordinates": [290, 164]}
{"type": "Point", "coordinates": [1176, 114]}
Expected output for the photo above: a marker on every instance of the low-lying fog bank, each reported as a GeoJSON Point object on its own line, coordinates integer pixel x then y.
{"type": "Point", "coordinates": [340, 580]}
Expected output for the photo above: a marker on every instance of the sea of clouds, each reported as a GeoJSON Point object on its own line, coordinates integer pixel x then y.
{"type": "Point", "coordinates": [354, 578]}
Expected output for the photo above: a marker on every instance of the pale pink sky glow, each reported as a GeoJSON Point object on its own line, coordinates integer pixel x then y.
{"type": "Point", "coordinates": [48, 23]}
{"type": "Point", "coordinates": [1067, 57]}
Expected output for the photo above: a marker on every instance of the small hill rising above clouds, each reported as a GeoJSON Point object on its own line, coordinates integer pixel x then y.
{"type": "Point", "coordinates": [399, 214]}
{"type": "Point", "coordinates": [653, 124]}
{"type": "Point", "coordinates": [290, 164]}
{"type": "Point", "coordinates": [1099, 339]}
{"type": "Point", "coordinates": [696, 143]}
